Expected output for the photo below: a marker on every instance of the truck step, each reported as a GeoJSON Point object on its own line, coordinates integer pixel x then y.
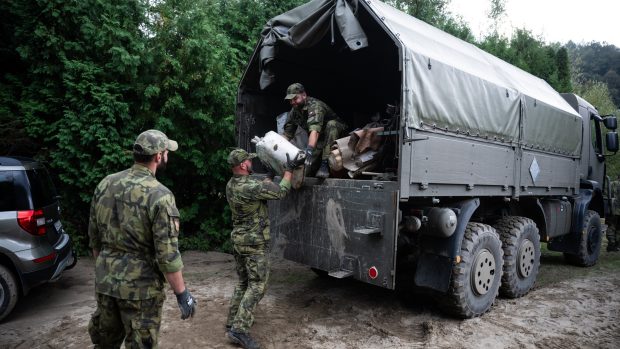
{"type": "Point", "coordinates": [340, 274]}
{"type": "Point", "coordinates": [367, 230]}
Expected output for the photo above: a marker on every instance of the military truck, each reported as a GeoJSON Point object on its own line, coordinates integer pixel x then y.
{"type": "Point", "coordinates": [482, 161]}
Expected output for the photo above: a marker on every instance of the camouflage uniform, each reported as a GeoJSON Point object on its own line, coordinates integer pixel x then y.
{"type": "Point", "coordinates": [134, 224]}
{"type": "Point", "coordinates": [613, 223]}
{"type": "Point", "coordinates": [250, 237]}
{"type": "Point", "coordinates": [317, 116]}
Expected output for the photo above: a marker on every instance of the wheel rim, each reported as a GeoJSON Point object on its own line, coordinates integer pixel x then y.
{"type": "Point", "coordinates": [526, 257]}
{"type": "Point", "coordinates": [483, 272]}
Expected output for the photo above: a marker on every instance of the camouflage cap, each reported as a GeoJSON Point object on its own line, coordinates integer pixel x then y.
{"type": "Point", "coordinates": [293, 90]}
{"type": "Point", "coordinates": [152, 142]}
{"type": "Point", "coordinates": [237, 156]}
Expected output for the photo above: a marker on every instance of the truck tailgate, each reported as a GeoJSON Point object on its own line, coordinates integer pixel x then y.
{"type": "Point", "coordinates": [345, 227]}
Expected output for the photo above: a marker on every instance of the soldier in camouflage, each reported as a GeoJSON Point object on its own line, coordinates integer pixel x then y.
{"type": "Point", "coordinates": [613, 228]}
{"type": "Point", "coordinates": [133, 233]}
{"type": "Point", "coordinates": [320, 121]}
{"type": "Point", "coordinates": [247, 198]}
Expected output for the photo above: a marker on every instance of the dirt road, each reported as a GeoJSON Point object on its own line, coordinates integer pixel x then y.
{"type": "Point", "coordinates": [569, 308]}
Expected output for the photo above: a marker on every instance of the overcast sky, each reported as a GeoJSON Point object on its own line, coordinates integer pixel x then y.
{"type": "Point", "coordinates": [581, 21]}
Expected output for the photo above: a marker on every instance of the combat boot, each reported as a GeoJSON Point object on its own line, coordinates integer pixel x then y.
{"type": "Point", "coordinates": [243, 339]}
{"type": "Point", "coordinates": [323, 172]}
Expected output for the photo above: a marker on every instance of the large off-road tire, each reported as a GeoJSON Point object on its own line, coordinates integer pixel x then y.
{"type": "Point", "coordinates": [521, 244]}
{"type": "Point", "coordinates": [8, 291]}
{"type": "Point", "coordinates": [475, 280]}
{"type": "Point", "coordinates": [589, 242]}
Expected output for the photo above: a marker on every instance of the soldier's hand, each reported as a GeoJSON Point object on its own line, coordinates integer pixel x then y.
{"type": "Point", "coordinates": [291, 164]}
{"type": "Point", "coordinates": [187, 304]}
{"type": "Point", "coordinates": [309, 156]}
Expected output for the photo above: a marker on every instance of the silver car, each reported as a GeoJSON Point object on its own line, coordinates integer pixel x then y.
{"type": "Point", "coordinates": [34, 247]}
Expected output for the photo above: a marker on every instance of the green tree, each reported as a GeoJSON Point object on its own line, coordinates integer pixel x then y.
{"type": "Point", "coordinates": [79, 61]}
{"type": "Point", "coordinates": [548, 62]}
{"type": "Point", "coordinates": [435, 13]}
{"type": "Point", "coordinates": [597, 61]}
{"type": "Point", "coordinates": [563, 68]}
{"type": "Point", "coordinates": [497, 10]}
{"type": "Point", "coordinates": [430, 11]}
{"type": "Point", "coordinates": [189, 91]}
{"type": "Point", "coordinates": [597, 93]}
{"type": "Point", "coordinates": [243, 20]}
{"type": "Point", "coordinates": [87, 76]}
{"type": "Point", "coordinates": [13, 136]}
{"type": "Point", "coordinates": [199, 51]}
{"type": "Point", "coordinates": [497, 13]}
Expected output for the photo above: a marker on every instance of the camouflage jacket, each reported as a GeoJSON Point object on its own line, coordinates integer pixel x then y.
{"type": "Point", "coordinates": [247, 199]}
{"type": "Point", "coordinates": [134, 223]}
{"type": "Point", "coordinates": [312, 116]}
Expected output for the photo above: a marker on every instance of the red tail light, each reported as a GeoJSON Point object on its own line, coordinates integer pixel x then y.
{"type": "Point", "coordinates": [373, 272]}
{"type": "Point", "coordinates": [32, 221]}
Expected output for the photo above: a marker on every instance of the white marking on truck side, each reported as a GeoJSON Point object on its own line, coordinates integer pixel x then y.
{"type": "Point", "coordinates": [335, 226]}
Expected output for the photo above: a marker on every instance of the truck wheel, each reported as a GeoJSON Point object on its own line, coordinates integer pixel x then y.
{"type": "Point", "coordinates": [8, 292]}
{"type": "Point", "coordinates": [521, 245]}
{"type": "Point", "coordinates": [589, 242]}
{"type": "Point", "coordinates": [475, 280]}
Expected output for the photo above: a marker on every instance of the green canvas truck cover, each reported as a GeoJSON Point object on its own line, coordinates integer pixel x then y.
{"type": "Point", "coordinates": [448, 85]}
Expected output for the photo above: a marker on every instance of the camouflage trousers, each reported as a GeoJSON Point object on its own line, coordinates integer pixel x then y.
{"type": "Point", "coordinates": [117, 320]}
{"type": "Point", "coordinates": [252, 263]}
{"type": "Point", "coordinates": [613, 230]}
{"type": "Point", "coordinates": [334, 129]}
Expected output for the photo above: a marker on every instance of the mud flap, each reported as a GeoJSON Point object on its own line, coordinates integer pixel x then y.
{"type": "Point", "coordinates": [434, 267]}
{"type": "Point", "coordinates": [345, 227]}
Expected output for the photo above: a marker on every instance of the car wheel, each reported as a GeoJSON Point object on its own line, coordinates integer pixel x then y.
{"type": "Point", "coordinates": [8, 292]}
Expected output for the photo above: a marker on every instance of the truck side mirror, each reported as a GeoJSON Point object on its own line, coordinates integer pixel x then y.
{"type": "Point", "coordinates": [612, 141]}
{"type": "Point", "coordinates": [611, 123]}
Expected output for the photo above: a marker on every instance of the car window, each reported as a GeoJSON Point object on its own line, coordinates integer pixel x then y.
{"type": "Point", "coordinates": [7, 193]}
{"type": "Point", "coordinates": [41, 188]}
{"type": "Point", "coordinates": [14, 191]}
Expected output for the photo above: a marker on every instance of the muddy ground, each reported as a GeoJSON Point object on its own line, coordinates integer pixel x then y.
{"type": "Point", "coordinates": [569, 308]}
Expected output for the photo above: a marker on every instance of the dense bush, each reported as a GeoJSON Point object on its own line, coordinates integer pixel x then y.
{"type": "Point", "coordinates": [81, 79]}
